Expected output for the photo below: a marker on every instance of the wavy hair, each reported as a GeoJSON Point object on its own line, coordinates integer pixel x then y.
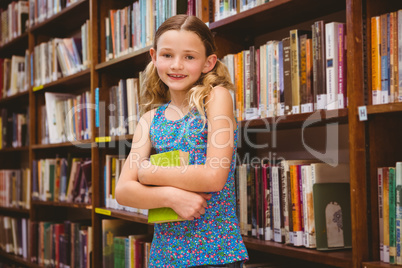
{"type": "Point", "coordinates": [154, 92]}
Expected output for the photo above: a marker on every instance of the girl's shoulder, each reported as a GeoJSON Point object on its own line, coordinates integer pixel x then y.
{"type": "Point", "coordinates": [148, 116]}
{"type": "Point", "coordinates": [219, 97]}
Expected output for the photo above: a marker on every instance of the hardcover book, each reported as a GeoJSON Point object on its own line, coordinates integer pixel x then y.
{"type": "Point", "coordinates": [167, 159]}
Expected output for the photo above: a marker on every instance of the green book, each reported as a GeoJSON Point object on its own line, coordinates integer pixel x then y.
{"type": "Point", "coordinates": [332, 215]}
{"type": "Point", "coordinates": [167, 159]}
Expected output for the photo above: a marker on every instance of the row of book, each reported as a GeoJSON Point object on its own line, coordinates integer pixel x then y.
{"type": "Point", "coordinates": [68, 117]}
{"type": "Point", "coordinates": [41, 10]}
{"type": "Point", "coordinates": [14, 21]}
{"type": "Point", "coordinates": [226, 8]}
{"type": "Point", "coordinates": [123, 246]}
{"type": "Point", "coordinates": [133, 27]}
{"type": "Point", "coordinates": [124, 110]}
{"type": "Point", "coordinates": [289, 202]}
{"type": "Point", "coordinates": [61, 244]}
{"type": "Point", "coordinates": [386, 58]}
{"type": "Point", "coordinates": [60, 57]}
{"type": "Point", "coordinates": [390, 212]}
{"type": "Point", "coordinates": [291, 75]}
{"type": "Point", "coordinates": [14, 75]}
{"type": "Point", "coordinates": [112, 170]}
{"type": "Point", "coordinates": [14, 235]}
{"type": "Point", "coordinates": [15, 188]}
{"type": "Point", "coordinates": [13, 129]}
{"type": "Point", "coordinates": [62, 180]}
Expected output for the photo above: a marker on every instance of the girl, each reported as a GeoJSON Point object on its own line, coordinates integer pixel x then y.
{"type": "Point", "coordinates": [196, 117]}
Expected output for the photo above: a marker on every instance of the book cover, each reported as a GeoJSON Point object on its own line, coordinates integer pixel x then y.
{"type": "Point", "coordinates": [166, 159]}
{"type": "Point", "coordinates": [332, 215]}
{"type": "Point", "coordinates": [332, 212]}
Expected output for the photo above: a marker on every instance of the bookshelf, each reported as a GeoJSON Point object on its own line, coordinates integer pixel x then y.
{"type": "Point", "coordinates": [366, 145]}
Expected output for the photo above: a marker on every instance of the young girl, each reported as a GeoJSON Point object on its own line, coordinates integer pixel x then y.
{"type": "Point", "coordinates": [195, 115]}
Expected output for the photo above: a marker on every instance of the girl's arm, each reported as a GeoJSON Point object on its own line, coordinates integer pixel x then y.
{"type": "Point", "coordinates": [212, 176]}
{"type": "Point", "coordinates": [130, 192]}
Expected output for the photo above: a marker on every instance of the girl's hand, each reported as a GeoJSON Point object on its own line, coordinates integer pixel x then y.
{"type": "Point", "coordinates": [189, 205]}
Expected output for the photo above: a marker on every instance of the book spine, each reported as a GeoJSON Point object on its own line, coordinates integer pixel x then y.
{"type": "Point", "coordinates": [342, 95]}
{"type": "Point", "coordinates": [398, 208]}
{"type": "Point", "coordinates": [375, 60]}
{"type": "Point", "coordinates": [399, 54]}
{"type": "Point", "coordinates": [295, 70]}
{"type": "Point", "coordinates": [386, 214]}
{"type": "Point", "coordinates": [384, 58]}
{"type": "Point", "coordinates": [392, 215]}
{"type": "Point", "coordinates": [331, 46]}
{"type": "Point", "coordinates": [287, 79]}
{"type": "Point", "coordinates": [380, 182]}
{"type": "Point", "coordinates": [296, 215]}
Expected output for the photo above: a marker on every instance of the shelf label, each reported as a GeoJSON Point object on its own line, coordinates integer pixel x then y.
{"type": "Point", "coordinates": [103, 211]}
{"type": "Point", "coordinates": [362, 113]}
{"type": "Point", "coordinates": [103, 139]}
{"type": "Point", "coordinates": [37, 88]}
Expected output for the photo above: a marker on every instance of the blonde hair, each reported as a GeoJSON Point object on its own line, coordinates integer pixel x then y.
{"type": "Point", "coordinates": [155, 93]}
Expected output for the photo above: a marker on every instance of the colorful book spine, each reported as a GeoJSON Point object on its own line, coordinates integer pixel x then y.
{"type": "Point", "coordinates": [380, 181]}
{"type": "Point", "coordinates": [398, 204]}
{"type": "Point", "coordinates": [392, 215]}
{"type": "Point", "coordinates": [375, 60]}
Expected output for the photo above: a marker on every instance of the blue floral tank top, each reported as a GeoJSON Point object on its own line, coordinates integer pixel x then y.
{"type": "Point", "coordinates": [214, 238]}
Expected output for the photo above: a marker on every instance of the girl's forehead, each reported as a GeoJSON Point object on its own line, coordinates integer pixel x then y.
{"type": "Point", "coordinates": [180, 36]}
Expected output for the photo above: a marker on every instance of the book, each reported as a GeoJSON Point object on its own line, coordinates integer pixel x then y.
{"type": "Point", "coordinates": [332, 207]}
{"type": "Point", "coordinates": [171, 158]}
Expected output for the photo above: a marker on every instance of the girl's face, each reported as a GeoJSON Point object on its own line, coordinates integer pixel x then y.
{"type": "Point", "coordinates": [180, 59]}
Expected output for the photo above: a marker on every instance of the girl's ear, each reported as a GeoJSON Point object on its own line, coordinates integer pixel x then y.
{"type": "Point", "coordinates": [152, 52]}
{"type": "Point", "coordinates": [210, 63]}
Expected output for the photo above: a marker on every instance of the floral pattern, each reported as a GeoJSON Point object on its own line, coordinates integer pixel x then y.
{"type": "Point", "coordinates": [214, 238]}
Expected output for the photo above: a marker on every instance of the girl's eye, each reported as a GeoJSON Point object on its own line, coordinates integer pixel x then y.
{"type": "Point", "coordinates": [190, 57]}
{"type": "Point", "coordinates": [167, 55]}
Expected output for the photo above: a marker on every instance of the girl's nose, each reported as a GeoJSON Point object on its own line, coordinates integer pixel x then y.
{"type": "Point", "coordinates": [176, 64]}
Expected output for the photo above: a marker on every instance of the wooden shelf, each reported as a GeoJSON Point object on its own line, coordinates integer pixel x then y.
{"type": "Point", "coordinates": [13, 150]}
{"type": "Point", "coordinates": [317, 118]}
{"type": "Point", "coordinates": [67, 83]}
{"type": "Point", "coordinates": [378, 264]}
{"type": "Point", "coordinates": [19, 260]}
{"type": "Point", "coordinates": [16, 99]}
{"type": "Point", "coordinates": [14, 211]}
{"type": "Point", "coordinates": [61, 204]}
{"type": "Point", "coordinates": [16, 46]}
{"type": "Point", "coordinates": [384, 108]}
{"type": "Point", "coordinates": [83, 144]}
{"type": "Point", "coordinates": [341, 258]}
{"type": "Point", "coordinates": [121, 214]}
{"type": "Point", "coordinates": [127, 64]}
{"type": "Point", "coordinates": [56, 26]}
{"type": "Point", "coordinates": [270, 16]}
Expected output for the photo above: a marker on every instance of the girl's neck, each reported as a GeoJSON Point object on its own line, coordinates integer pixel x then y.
{"type": "Point", "coordinates": [179, 101]}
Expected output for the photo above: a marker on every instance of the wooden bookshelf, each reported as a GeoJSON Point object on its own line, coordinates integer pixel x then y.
{"type": "Point", "coordinates": [341, 258]}
{"type": "Point", "coordinates": [372, 143]}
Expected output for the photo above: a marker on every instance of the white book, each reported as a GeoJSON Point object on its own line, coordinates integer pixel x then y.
{"type": "Point", "coordinates": [331, 52]}
{"type": "Point", "coordinates": [55, 133]}
{"type": "Point", "coordinates": [17, 75]}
